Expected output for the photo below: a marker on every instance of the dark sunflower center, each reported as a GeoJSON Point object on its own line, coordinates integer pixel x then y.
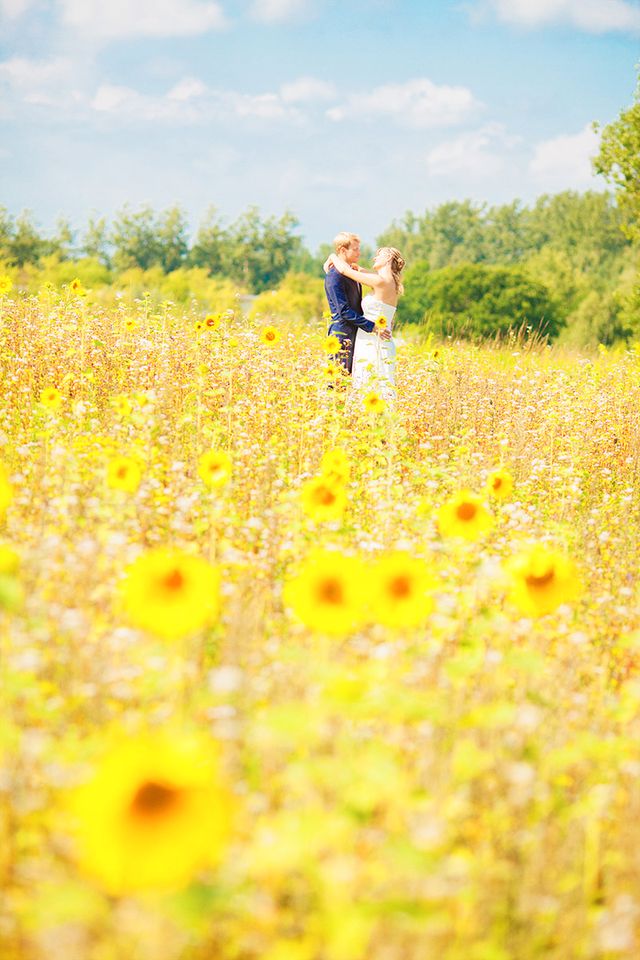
{"type": "Point", "coordinates": [153, 799]}
{"type": "Point", "coordinates": [497, 483]}
{"type": "Point", "coordinates": [174, 580]}
{"type": "Point", "coordinates": [466, 512]}
{"type": "Point", "coordinates": [400, 587]}
{"type": "Point", "coordinates": [330, 591]}
{"type": "Point", "coordinates": [536, 582]}
{"type": "Point", "coordinates": [324, 496]}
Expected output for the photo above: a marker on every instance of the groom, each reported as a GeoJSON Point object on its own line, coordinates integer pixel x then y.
{"type": "Point", "coordinates": [345, 300]}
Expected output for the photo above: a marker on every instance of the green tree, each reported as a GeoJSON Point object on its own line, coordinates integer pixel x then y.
{"type": "Point", "coordinates": [135, 240]}
{"type": "Point", "coordinates": [95, 241]}
{"type": "Point", "coordinates": [477, 300]}
{"type": "Point", "coordinates": [171, 235]}
{"type": "Point", "coordinates": [619, 162]}
{"type": "Point", "coordinates": [212, 238]}
{"type": "Point", "coordinates": [27, 246]}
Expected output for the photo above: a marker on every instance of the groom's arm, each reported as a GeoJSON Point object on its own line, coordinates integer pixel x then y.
{"type": "Point", "coordinates": [345, 311]}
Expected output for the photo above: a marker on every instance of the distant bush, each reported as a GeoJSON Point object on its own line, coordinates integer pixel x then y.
{"type": "Point", "coordinates": [475, 300]}
{"type": "Point", "coordinates": [299, 297]}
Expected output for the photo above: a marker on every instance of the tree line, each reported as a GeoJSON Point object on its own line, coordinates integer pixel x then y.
{"type": "Point", "coordinates": [566, 265]}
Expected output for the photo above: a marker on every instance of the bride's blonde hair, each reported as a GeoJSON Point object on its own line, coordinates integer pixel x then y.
{"type": "Point", "coordinates": [397, 264]}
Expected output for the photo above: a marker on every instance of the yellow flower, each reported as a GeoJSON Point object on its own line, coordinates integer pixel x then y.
{"type": "Point", "coordinates": [76, 287]}
{"type": "Point", "coordinates": [171, 593]}
{"type": "Point", "coordinates": [199, 325]}
{"type": "Point", "coordinates": [401, 588]}
{"type": "Point", "coordinates": [213, 321]}
{"type": "Point", "coordinates": [6, 491]}
{"type": "Point", "coordinates": [328, 594]}
{"type": "Point", "coordinates": [269, 335]}
{"type": "Point", "coordinates": [541, 579]}
{"type": "Point", "coordinates": [381, 322]}
{"type": "Point", "coordinates": [335, 465]}
{"type": "Point", "coordinates": [155, 812]}
{"type": "Point", "coordinates": [9, 560]}
{"type": "Point", "coordinates": [124, 473]}
{"type": "Point", "coordinates": [332, 344]}
{"type": "Point", "coordinates": [122, 405]}
{"type": "Point", "coordinates": [464, 515]}
{"type": "Point", "coordinates": [6, 286]}
{"type": "Point", "coordinates": [373, 402]}
{"type": "Point", "coordinates": [323, 499]}
{"type": "Point", "coordinates": [331, 370]}
{"type": "Point", "coordinates": [130, 323]}
{"type": "Point", "coordinates": [51, 398]}
{"type": "Point", "coordinates": [214, 468]}
{"type": "Point", "coordinates": [500, 484]}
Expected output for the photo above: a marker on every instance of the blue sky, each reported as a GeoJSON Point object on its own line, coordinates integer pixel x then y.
{"type": "Point", "coordinates": [346, 114]}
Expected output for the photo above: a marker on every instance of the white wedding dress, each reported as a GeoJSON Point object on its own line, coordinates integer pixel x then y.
{"type": "Point", "coordinates": [374, 360]}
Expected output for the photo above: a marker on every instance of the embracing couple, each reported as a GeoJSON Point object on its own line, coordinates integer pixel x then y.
{"type": "Point", "coordinates": [363, 325]}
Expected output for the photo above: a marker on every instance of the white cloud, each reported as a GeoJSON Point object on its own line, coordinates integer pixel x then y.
{"type": "Point", "coordinates": [190, 101]}
{"type": "Point", "coordinates": [25, 76]}
{"type": "Point", "coordinates": [417, 103]}
{"type": "Point", "coordinates": [307, 89]}
{"type": "Point", "coordinates": [594, 16]}
{"type": "Point", "coordinates": [275, 10]}
{"type": "Point", "coordinates": [107, 19]}
{"type": "Point", "coordinates": [12, 9]}
{"type": "Point", "coordinates": [565, 162]}
{"type": "Point", "coordinates": [187, 89]}
{"type": "Point", "coordinates": [40, 82]}
{"type": "Point", "coordinates": [478, 153]}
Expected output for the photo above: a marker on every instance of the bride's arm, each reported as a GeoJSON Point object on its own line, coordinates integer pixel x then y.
{"type": "Point", "coordinates": [362, 276]}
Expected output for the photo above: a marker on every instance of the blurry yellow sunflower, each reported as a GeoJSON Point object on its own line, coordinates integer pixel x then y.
{"type": "Point", "coordinates": [6, 491]}
{"type": "Point", "coordinates": [51, 398]}
{"type": "Point", "coordinates": [336, 465]}
{"type": "Point", "coordinates": [464, 515]}
{"type": "Point", "coordinates": [212, 321]}
{"type": "Point", "coordinates": [156, 811]}
{"type": "Point", "coordinates": [373, 402]}
{"type": "Point", "coordinates": [323, 498]}
{"type": "Point", "coordinates": [332, 344]}
{"type": "Point", "coordinates": [541, 579]}
{"type": "Point", "coordinates": [124, 473]}
{"type": "Point", "coordinates": [331, 370]}
{"type": "Point", "coordinates": [6, 286]}
{"type": "Point", "coordinates": [9, 560]}
{"type": "Point", "coordinates": [381, 322]}
{"type": "Point", "coordinates": [328, 593]}
{"type": "Point", "coordinates": [122, 405]}
{"type": "Point", "coordinates": [269, 335]}
{"type": "Point", "coordinates": [199, 326]}
{"type": "Point", "coordinates": [77, 288]}
{"type": "Point", "coordinates": [500, 484]}
{"type": "Point", "coordinates": [130, 323]}
{"type": "Point", "coordinates": [214, 468]}
{"type": "Point", "coordinates": [171, 593]}
{"type": "Point", "coordinates": [401, 588]}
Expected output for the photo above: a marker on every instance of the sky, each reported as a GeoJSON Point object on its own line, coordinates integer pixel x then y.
{"type": "Point", "coordinates": [348, 115]}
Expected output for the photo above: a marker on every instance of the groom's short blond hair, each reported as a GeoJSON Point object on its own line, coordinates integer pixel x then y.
{"type": "Point", "coordinates": [344, 239]}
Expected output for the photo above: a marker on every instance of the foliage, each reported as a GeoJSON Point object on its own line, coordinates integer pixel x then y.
{"type": "Point", "coordinates": [619, 161]}
{"type": "Point", "coordinates": [478, 301]}
{"type": "Point", "coordinates": [299, 297]}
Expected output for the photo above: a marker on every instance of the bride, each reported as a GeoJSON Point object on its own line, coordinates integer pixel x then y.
{"type": "Point", "coordinates": [374, 358]}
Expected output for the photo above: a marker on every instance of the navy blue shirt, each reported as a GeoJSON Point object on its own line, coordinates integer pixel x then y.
{"type": "Point", "coordinates": [345, 301]}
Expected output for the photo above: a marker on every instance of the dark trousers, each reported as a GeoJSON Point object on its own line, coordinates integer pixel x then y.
{"type": "Point", "coordinates": [345, 357]}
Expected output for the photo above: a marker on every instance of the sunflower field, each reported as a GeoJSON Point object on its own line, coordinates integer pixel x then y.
{"type": "Point", "coordinates": [292, 673]}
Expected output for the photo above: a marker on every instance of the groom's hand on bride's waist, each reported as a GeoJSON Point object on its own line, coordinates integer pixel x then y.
{"type": "Point", "coordinates": [384, 334]}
